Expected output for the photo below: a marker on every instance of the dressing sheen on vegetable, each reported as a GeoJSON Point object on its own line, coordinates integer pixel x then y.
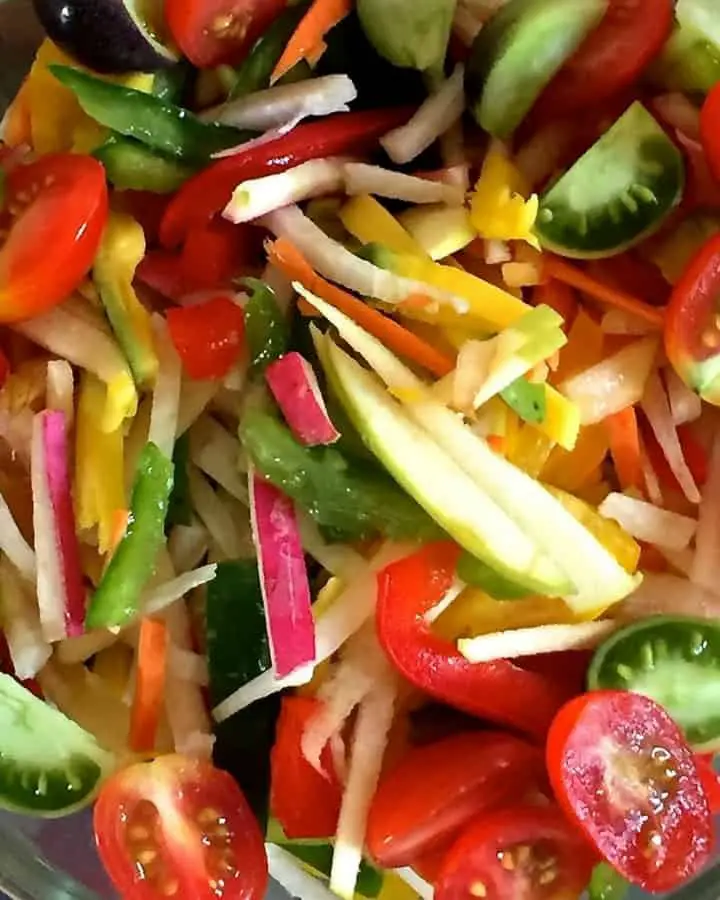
{"type": "Point", "coordinates": [359, 465]}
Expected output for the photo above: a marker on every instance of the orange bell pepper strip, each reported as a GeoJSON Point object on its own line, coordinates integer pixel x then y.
{"type": "Point", "coordinates": [18, 125]}
{"type": "Point", "coordinates": [558, 296]}
{"type": "Point", "coordinates": [147, 705]}
{"type": "Point", "coordinates": [286, 257]}
{"type": "Point", "coordinates": [307, 41]}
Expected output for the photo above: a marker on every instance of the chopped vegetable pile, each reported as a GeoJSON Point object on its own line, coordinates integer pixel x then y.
{"type": "Point", "coordinates": [359, 444]}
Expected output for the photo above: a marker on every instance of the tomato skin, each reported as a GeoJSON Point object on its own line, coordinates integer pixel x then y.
{"type": "Point", "coordinates": [538, 840]}
{"type": "Point", "coordinates": [710, 130]}
{"type": "Point", "coordinates": [436, 789]}
{"type": "Point", "coordinates": [692, 338]}
{"type": "Point", "coordinates": [306, 803]}
{"type": "Point", "coordinates": [213, 32]}
{"type": "Point", "coordinates": [499, 691]}
{"type": "Point", "coordinates": [208, 336]}
{"type": "Point", "coordinates": [710, 780]}
{"type": "Point", "coordinates": [57, 209]}
{"type": "Point", "coordinates": [610, 59]}
{"type": "Point", "coordinates": [621, 768]}
{"type": "Point", "coordinates": [214, 253]}
{"type": "Point", "coordinates": [195, 820]}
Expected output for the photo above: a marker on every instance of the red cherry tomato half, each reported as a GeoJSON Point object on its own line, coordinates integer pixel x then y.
{"type": "Point", "coordinates": [211, 32]}
{"type": "Point", "coordinates": [611, 58]}
{"type": "Point", "coordinates": [179, 827]}
{"type": "Point", "coordinates": [55, 211]}
{"type": "Point", "coordinates": [531, 852]}
{"type": "Point", "coordinates": [692, 335]}
{"type": "Point", "coordinates": [436, 789]}
{"type": "Point", "coordinates": [710, 130]}
{"type": "Point", "coordinates": [622, 769]}
{"type": "Point", "coordinates": [208, 337]}
{"type": "Point", "coordinates": [304, 801]}
{"type": "Point", "coordinates": [710, 780]}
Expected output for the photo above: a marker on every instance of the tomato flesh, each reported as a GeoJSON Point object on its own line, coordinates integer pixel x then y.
{"type": "Point", "coordinates": [622, 769]}
{"type": "Point", "coordinates": [212, 32]}
{"type": "Point", "coordinates": [517, 853]}
{"type": "Point", "coordinates": [434, 790]}
{"type": "Point", "coordinates": [611, 58]}
{"type": "Point", "coordinates": [178, 827]}
{"type": "Point", "coordinates": [54, 215]}
{"type": "Point", "coordinates": [710, 130]}
{"type": "Point", "coordinates": [208, 336]}
{"type": "Point", "coordinates": [692, 332]}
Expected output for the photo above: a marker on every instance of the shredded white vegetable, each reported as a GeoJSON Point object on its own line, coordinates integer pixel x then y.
{"type": "Point", "coordinates": [166, 395]}
{"type": "Point", "coordinates": [662, 594]}
{"type": "Point", "coordinates": [441, 110]}
{"type": "Point", "coordinates": [285, 869]}
{"type": "Point", "coordinates": [29, 651]}
{"type": "Point", "coordinates": [162, 596]}
{"type": "Point", "coordinates": [188, 666]}
{"type": "Point", "coordinates": [187, 545]}
{"type": "Point", "coordinates": [213, 514]}
{"type": "Point", "coordinates": [706, 564]}
{"type": "Point", "coordinates": [338, 559]}
{"type": "Point", "coordinates": [78, 649]}
{"type": "Point", "coordinates": [195, 397]}
{"type": "Point", "coordinates": [361, 178]}
{"type": "Point", "coordinates": [685, 405]}
{"type": "Point", "coordinates": [14, 545]}
{"type": "Point", "coordinates": [533, 641]}
{"type": "Point", "coordinates": [60, 389]}
{"type": "Point", "coordinates": [218, 453]}
{"type": "Point", "coordinates": [646, 522]}
{"type": "Point", "coordinates": [617, 321]}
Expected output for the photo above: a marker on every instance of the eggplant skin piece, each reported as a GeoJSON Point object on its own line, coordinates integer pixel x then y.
{"type": "Point", "coordinates": [104, 35]}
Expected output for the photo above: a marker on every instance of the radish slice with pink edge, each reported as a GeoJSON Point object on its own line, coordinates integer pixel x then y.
{"type": "Point", "coordinates": [295, 387]}
{"type": "Point", "coordinates": [61, 592]}
{"type": "Point", "coordinates": [283, 577]}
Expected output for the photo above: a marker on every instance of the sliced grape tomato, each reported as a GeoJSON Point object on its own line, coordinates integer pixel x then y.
{"type": "Point", "coordinates": [617, 193]}
{"type": "Point", "coordinates": [529, 852]}
{"type": "Point", "coordinates": [675, 660]}
{"type": "Point", "coordinates": [621, 768]}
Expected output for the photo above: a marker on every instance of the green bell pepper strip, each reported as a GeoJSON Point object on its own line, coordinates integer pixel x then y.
{"type": "Point", "coordinates": [253, 74]}
{"type": "Point", "coordinates": [130, 165]}
{"type": "Point", "coordinates": [607, 884]}
{"type": "Point", "coordinates": [266, 330]}
{"type": "Point", "coordinates": [169, 84]}
{"type": "Point", "coordinates": [117, 598]}
{"type": "Point", "coordinates": [528, 400]}
{"type": "Point", "coordinates": [179, 506]}
{"type": "Point", "coordinates": [150, 120]}
{"type": "Point", "coordinates": [477, 573]}
{"type": "Point", "coordinates": [347, 500]}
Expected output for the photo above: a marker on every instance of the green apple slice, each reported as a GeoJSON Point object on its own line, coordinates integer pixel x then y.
{"type": "Point", "coordinates": [598, 579]}
{"type": "Point", "coordinates": [436, 482]}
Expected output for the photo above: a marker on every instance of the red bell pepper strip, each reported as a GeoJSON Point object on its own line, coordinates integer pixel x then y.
{"type": "Point", "coordinates": [208, 337]}
{"type": "Point", "coordinates": [161, 271]}
{"type": "Point", "coordinates": [207, 194]}
{"type": "Point", "coordinates": [500, 690]}
{"type": "Point", "coordinates": [306, 803]}
{"type": "Point", "coordinates": [216, 252]}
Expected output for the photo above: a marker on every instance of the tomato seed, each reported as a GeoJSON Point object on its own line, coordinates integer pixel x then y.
{"type": "Point", "coordinates": [478, 889]}
{"type": "Point", "coordinates": [507, 861]}
{"type": "Point", "coordinates": [547, 877]}
{"type": "Point", "coordinates": [147, 857]}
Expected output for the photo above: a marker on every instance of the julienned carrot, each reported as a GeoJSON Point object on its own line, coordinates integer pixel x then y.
{"type": "Point", "coordinates": [149, 684]}
{"type": "Point", "coordinates": [625, 448]}
{"type": "Point", "coordinates": [571, 275]}
{"type": "Point", "coordinates": [558, 296]}
{"type": "Point", "coordinates": [293, 264]}
{"type": "Point", "coordinates": [307, 39]}
{"type": "Point", "coordinates": [119, 525]}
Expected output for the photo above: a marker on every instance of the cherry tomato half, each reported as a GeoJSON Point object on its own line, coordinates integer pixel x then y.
{"type": "Point", "coordinates": [436, 789]}
{"type": "Point", "coordinates": [710, 779]}
{"type": "Point", "coordinates": [531, 852]}
{"type": "Point", "coordinates": [611, 58]}
{"type": "Point", "coordinates": [710, 130]}
{"type": "Point", "coordinates": [622, 769]}
{"type": "Point", "coordinates": [304, 801]}
{"type": "Point", "coordinates": [178, 827]}
{"type": "Point", "coordinates": [211, 32]}
{"type": "Point", "coordinates": [54, 215]}
{"type": "Point", "coordinates": [692, 335]}
{"type": "Point", "coordinates": [208, 336]}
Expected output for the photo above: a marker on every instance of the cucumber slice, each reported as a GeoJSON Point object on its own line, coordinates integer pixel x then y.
{"type": "Point", "coordinates": [49, 766]}
{"type": "Point", "coordinates": [474, 572]}
{"type": "Point", "coordinates": [620, 191]}
{"type": "Point", "coordinates": [517, 53]}
{"type": "Point", "coordinates": [673, 660]}
{"type": "Point", "coordinates": [700, 16]}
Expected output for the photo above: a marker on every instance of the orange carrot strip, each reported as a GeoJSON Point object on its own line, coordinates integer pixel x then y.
{"type": "Point", "coordinates": [571, 275]}
{"type": "Point", "coordinates": [149, 684]}
{"type": "Point", "coordinates": [119, 524]}
{"type": "Point", "coordinates": [558, 296]}
{"type": "Point", "coordinates": [625, 447]}
{"type": "Point", "coordinates": [306, 41]}
{"type": "Point", "coordinates": [293, 264]}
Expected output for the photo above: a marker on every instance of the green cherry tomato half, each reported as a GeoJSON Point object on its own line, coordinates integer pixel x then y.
{"type": "Point", "coordinates": [692, 335]}
{"type": "Point", "coordinates": [675, 661]}
{"type": "Point", "coordinates": [620, 191]}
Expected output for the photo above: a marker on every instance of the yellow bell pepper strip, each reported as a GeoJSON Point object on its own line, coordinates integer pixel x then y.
{"type": "Point", "coordinates": [18, 128]}
{"type": "Point", "coordinates": [369, 222]}
{"type": "Point", "coordinates": [122, 248]}
{"type": "Point", "coordinates": [498, 210]}
{"type": "Point", "coordinates": [99, 472]}
{"type": "Point", "coordinates": [57, 123]}
{"type": "Point", "coordinates": [531, 450]}
{"type": "Point", "coordinates": [570, 470]}
{"type": "Point", "coordinates": [440, 230]}
{"type": "Point", "coordinates": [562, 419]}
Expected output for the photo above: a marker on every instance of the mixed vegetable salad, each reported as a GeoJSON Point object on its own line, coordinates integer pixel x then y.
{"type": "Point", "coordinates": [360, 453]}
